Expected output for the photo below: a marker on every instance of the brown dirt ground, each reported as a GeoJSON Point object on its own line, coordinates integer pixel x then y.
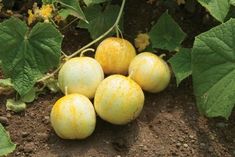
{"type": "Point", "coordinates": [169, 125]}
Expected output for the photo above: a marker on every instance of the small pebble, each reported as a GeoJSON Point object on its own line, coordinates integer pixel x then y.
{"type": "Point", "coordinates": [191, 136]}
{"type": "Point", "coordinates": [29, 147]}
{"type": "Point", "coordinates": [46, 120]}
{"type": "Point", "coordinates": [17, 153]}
{"type": "Point", "coordinates": [181, 139]}
{"type": "Point", "coordinates": [42, 136]}
{"type": "Point", "coordinates": [178, 144]}
{"type": "Point", "coordinates": [192, 141]}
{"type": "Point", "coordinates": [20, 148]}
{"type": "Point", "coordinates": [185, 145]}
{"type": "Point", "coordinates": [145, 148]}
{"type": "Point", "coordinates": [24, 134]}
{"type": "Point", "coordinates": [212, 137]}
{"type": "Point", "coordinates": [4, 120]}
{"type": "Point", "coordinates": [8, 115]}
{"type": "Point", "coordinates": [118, 156]}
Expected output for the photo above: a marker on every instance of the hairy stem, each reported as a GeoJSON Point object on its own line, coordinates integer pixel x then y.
{"type": "Point", "coordinates": [103, 35]}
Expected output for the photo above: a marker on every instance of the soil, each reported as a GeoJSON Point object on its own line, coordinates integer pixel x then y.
{"type": "Point", "coordinates": [169, 125]}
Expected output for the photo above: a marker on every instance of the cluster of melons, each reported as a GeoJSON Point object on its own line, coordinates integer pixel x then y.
{"type": "Point", "coordinates": [118, 98]}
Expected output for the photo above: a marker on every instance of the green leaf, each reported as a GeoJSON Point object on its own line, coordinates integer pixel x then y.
{"type": "Point", "coordinates": [74, 9]}
{"type": "Point", "coordinates": [100, 21]}
{"type": "Point", "coordinates": [217, 8]}
{"type": "Point", "coordinates": [6, 87]}
{"type": "Point", "coordinates": [166, 33]}
{"type": "Point", "coordinates": [64, 13]}
{"type": "Point", "coordinates": [30, 96]}
{"type": "Point", "coordinates": [213, 70]}
{"type": "Point", "coordinates": [15, 106]}
{"type": "Point", "coordinates": [6, 145]}
{"type": "Point", "coordinates": [92, 2]}
{"type": "Point", "coordinates": [181, 64]}
{"type": "Point", "coordinates": [6, 83]}
{"type": "Point", "coordinates": [27, 54]}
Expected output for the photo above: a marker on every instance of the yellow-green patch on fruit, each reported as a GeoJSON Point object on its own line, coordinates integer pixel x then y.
{"type": "Point", "coordinates": [73, 117]}
{"type": "Point", "coordinates": [150, 71]}
{"type": "Point", "coordinates": [80, 75]}
{"type": "Point", "coordinates": [118, 99]}
{"type": "Point", "coordinates": [115, 54]}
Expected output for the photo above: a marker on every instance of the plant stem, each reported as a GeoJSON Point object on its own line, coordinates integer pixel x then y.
{"type": "Point", "coordinates": [50, 75]}
{"type": "Point", "coordinates": [86, 50]}
{"type": "Point", "coordinates": [103, 35]}
{"type": "Point", "coordinates": [115, 25]}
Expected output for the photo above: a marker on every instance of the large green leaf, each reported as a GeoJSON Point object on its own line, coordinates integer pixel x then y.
{"type": "Point", "coordinates": [217, 8]}
{"type": "Point", "coordinates": [213, 70]}
{"type": "Point", "coordinates": [27, 54]}
{"type": "Point", "coordinates": [181, 64]}
{"type": "Point", "coordinates": [99, 21]}
{"type": "Point", "coordinates": [6, 146]}
{"type": "Point", "coordinates": [73, 7]}
{"type": "Point", "coordinates": [166, 33]}
{"type": "Point", "coordinates": [92, 2]}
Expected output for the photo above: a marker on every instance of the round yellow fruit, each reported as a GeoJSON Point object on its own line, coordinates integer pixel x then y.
{"type": "Point", "coordinates": [80, 75]}
{"type": "Point", "coordinates": [150, 71]}
{"type": "Point", "coordinates": [114, 55]}
{"type": "Point", "coordinates": [118, 99]}
{"type": "Point", "coordinates": [73, 117]}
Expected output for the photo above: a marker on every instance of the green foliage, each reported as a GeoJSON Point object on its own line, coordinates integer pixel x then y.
{"type": "Point", "coordinates": [30, 96]}
{"type": "Point", "coordinates": [166, 33]}
{"type": "Point", "coordinates": [217, 8]}
{"type": "Point", "coordinates": [68, 7]}
{"type": "Point", "coordinates": [92, 2]}
{"type": "Point", "coordinates": [99, 21]}
{"type": "Point", "coordinates": [6, 145]}
{"type": "Point", "coordinates": [73, 8]}
{"type": "Point", "coordinates": [64, 13]}
{"type": "Point", "coordinates": [5, 83]}
{"type": "Point", "coordinates": [213, 70]}
{"type": "Point", "coordinates": [27, 54]}
{"type": "Point", "coordinates": [181, 64]}
{"type": "Point", "coordinates": [15, 106]}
